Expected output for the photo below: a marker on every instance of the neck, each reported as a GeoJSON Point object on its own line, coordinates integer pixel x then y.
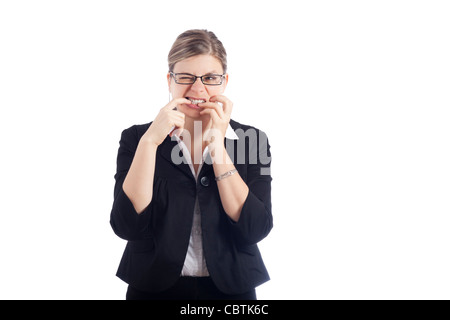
{"type": "Point", "coordinates": [194, 130]}
{"type": "Point", "coordinates": [196, 127]}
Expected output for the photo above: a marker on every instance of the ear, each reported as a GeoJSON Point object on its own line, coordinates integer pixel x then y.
{"type": "Point", "coordinates": [224, 84]}
{"type": "Point", "coordinates": [169, 78]}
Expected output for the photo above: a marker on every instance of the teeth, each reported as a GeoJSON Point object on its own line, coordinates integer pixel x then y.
{"type": "Point", "coordinates": [194, 101]}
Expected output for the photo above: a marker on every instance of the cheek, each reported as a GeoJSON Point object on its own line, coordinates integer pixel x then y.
{"type": "Point", "coordinates": [178, 92]}
{"type": "Point", "coordinates": [214, 91]}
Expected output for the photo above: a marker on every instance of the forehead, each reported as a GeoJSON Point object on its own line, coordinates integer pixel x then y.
{"type": "Point", "coordinates": [199, 65]}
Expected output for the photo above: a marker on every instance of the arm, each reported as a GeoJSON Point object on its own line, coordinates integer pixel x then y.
{"type": "Point", "coordinates": [248, 205]}
{"type": "Point", "coordinates": [133, 189]}
{"type": "Point", "coordinates": [256, 221]}
{"type": "Point", "coordinates": [138, 184]}
{"type": "Point", "coordinates": [233, 190]}
{"type": "Point", "coordinates": [125, 221]}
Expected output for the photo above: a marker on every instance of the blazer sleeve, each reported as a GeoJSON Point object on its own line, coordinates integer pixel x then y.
{"type": "Point", "coordinates": [256, 221]}
{"type": "Point", "coordinates": [124, 219]}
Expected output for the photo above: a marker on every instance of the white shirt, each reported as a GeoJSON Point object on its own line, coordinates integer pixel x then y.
{"type": "Point", "coordinates": [195, 263]}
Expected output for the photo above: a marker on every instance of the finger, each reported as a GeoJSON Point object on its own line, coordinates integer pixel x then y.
{"type": "Point", "coordinates": [173, 116]}
{"type": "Point", "coordinates": [176, 120]}
{"type": "Point", "coordinates": [227, 104]}
{"type": "Point", "coordinates": [212, 113]}
{"type": "Point", "coordinates": [177, 131]}
{"type": "Point", "coordinates": [214, 106]}
{"type": "Point", "coordinates": [177, 127]}
{"type": "Point", "coordinates": [172, 104]}
{"type": "Point", "coordinates": [177, 114]}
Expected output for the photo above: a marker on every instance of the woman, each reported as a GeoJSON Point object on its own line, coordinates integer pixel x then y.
{"type": "Point", "coordinates": [193, 188]}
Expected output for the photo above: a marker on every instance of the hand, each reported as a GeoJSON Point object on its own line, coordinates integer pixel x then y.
{"type": "Point", "coordinates": [220, 117]}
{"type": "Point", "coordinates": [166, 120]}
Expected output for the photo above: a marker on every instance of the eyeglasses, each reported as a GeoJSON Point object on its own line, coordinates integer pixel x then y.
{"type": "Point", "coordinates": [208, 79]}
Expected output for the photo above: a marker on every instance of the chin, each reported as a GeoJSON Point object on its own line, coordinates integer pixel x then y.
{"type": "Point", "coordinates": [190, 112]}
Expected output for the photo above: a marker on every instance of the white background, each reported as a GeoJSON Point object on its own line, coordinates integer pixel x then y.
{"type": "Point", "coordinates": [353, 95]}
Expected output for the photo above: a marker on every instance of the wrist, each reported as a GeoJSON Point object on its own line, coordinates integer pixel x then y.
{"type": "Point", "coordinates": [219, 155]}
{"type": "Point", "coordinates": [226, 174]}
{"type": "Point", "coordinates": [148, 141]}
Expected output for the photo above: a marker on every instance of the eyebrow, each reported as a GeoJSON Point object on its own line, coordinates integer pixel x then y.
{"type": "Point", "coordinates": [206, 74]}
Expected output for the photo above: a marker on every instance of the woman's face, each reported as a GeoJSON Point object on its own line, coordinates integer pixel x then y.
{"type": "Point", "coordinates": [197, 65]}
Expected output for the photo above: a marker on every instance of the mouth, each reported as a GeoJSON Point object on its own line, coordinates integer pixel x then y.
{"type": "Point", "coordinates": [195, 101]}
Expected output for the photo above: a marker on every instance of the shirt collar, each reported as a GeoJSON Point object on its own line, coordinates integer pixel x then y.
{"type": "Point", "coordinates": [229, 134]}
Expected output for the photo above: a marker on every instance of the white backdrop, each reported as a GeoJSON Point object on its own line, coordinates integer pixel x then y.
{"type": "Point", "coordinates": [353, 95]}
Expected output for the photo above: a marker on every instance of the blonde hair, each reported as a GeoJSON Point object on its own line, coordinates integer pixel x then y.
{"type": "Point", "coordinates": [195, 42]}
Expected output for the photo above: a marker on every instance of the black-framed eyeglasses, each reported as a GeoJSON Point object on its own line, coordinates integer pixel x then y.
{"type": "Point", "coordinates": [207, 79]}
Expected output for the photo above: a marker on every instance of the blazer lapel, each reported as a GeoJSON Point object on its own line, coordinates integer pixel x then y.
{"type": "Point", "coordinates": [170, 147]}
{"type": "Point", "coordinates": [206, 167]}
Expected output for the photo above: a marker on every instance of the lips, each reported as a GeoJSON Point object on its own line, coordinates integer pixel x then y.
{"type": "Point", "coordinates": [196, 101]}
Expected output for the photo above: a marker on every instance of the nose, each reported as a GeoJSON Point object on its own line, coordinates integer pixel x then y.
{"type": "Point", "coordinates": [198, 85]}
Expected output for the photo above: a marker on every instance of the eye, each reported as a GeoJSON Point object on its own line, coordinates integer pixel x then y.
{"type": "Point", "coordinates": [212, 79]}
{"type": "Point", "coordinates": [185, 77]}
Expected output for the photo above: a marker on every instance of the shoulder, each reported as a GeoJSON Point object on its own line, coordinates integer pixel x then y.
{"type": "Point", "coordinates": [252, 143]}
{"type": "Point", "coordinates": [245, 130]}
{"type": "Point", "coordinates": [237, 125]}
{"type": "Point", "coordinates": [135, 131]}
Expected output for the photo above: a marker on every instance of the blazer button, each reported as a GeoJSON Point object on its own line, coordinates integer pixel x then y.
{"type": "Point", "coordinates": [204, 181]}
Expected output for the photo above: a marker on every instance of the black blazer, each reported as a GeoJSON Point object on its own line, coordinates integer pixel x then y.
{"type": "Point", "coordinates": [158, 238]}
